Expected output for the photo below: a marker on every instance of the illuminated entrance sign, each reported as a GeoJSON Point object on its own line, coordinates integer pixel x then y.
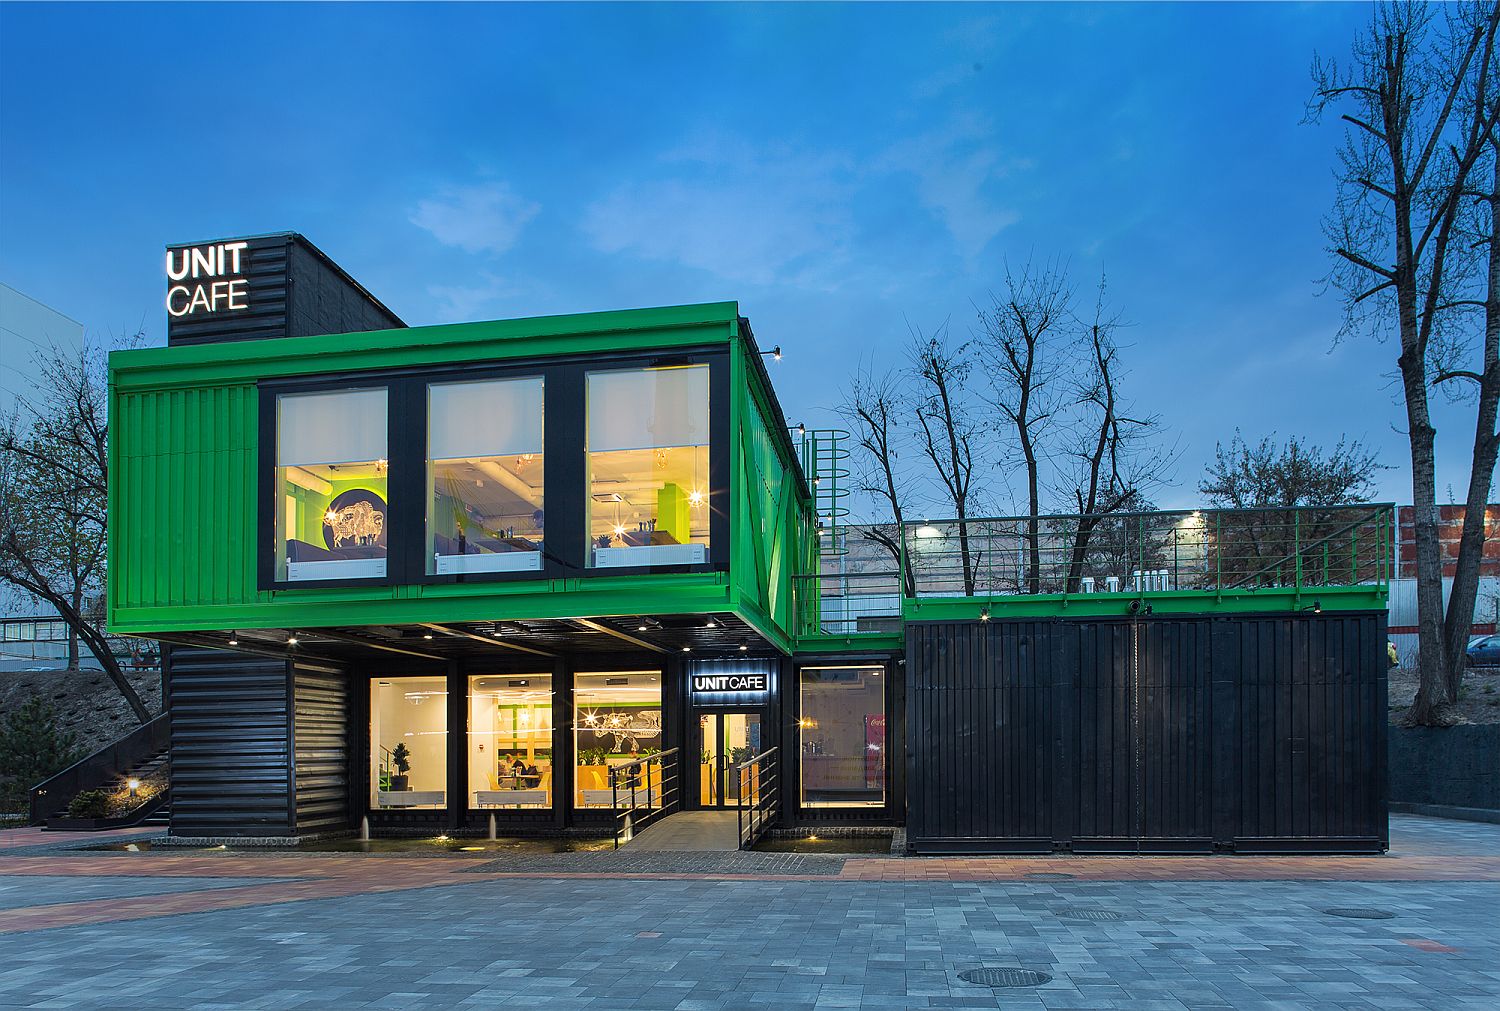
{"type": "Point", "coordinates": [730, 683]}
{"type": "Point", "coordinates": [207, 279]}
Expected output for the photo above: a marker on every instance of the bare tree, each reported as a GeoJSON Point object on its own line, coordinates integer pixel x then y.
{"type": "Point", "coordinates": [1024, 338]}
{"type": "Point", "coordinates": [1421, 113]}
{"type": "Point", "coordinates": [873, 407]}
{"type": "Point", "coordinates": [1477, 228]}
{"type": "Point", "coordinates": [1116, 457]}
{"type": "Point", "coordinates": [54, 472]}
{"type": "Point", "coordinates": [948, 429]}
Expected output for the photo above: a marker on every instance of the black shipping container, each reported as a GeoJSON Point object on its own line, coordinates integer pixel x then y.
{"type": "Point", "coordinates": [1152, 734]}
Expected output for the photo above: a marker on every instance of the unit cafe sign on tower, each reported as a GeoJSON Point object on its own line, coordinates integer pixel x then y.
{"type": "Point", "coordinates": [205, 279]}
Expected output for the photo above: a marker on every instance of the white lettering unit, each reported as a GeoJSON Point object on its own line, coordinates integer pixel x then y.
{"type": "Point", "coordinates": [207, 279]}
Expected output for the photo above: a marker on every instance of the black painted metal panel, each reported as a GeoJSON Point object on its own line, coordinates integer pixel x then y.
{"type": "Point", "coordinates": [292, 289]}
{"type": "Point", "coordinates": [231, 754]}
{"type": "Point", "coordinates": [320, 734]}
{"type": "Point", "coordinates": [1158, 734]}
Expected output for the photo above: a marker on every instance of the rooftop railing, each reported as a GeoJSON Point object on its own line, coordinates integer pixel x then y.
{"type": "Point", "coordinates": [1208, 550]}
{"type": "Point", "coordinates": [1200, 549]}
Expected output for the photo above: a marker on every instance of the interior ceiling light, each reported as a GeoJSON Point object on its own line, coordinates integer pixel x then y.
{"type": "Point", "coordinates": [427, 635]}
{"type": "Point", "coordinates": [743, 648]}
{"type": "Point", "coordinates": [291, 640]}
{"type": "Point", "coordinates": [711, 624]}
{"type": "Point", "coordinates": [687, 649]}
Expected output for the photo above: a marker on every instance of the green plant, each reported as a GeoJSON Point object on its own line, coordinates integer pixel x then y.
{"type": "Point", "coordinates": [33, 746]}
{"type": "Point", "coordinates": [593, 756]}
{"type": "Point", "coordinates": [402, 758]}
{"type": "Point", "coordinates": [91, 804]}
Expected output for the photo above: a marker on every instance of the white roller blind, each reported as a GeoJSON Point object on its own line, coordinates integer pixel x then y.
{"type": "Point", "coordinates": [343, 427]}
{"type": "Point", "coordinates": [648, 409]}
{"type": "Point", "coordinates": [492, 418]}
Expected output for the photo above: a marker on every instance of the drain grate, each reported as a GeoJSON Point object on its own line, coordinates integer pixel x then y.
{"type": "Point", "coordinates": [1360, 913]}
{"type": "Point", "coordinates": [1005, 977]}
{"type": "Point", "coordinates": [1049, 876]}
{"type": "Point", "coordinates": [1097, 915]}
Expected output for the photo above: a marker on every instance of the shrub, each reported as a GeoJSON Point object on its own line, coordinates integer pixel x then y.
{"type": "Point", "coordinates": [91, 804]}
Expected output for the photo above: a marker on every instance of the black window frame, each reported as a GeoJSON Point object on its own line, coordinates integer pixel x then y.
{"type": "Point", "coordinates": [270, 490]}
{"type": "Point", "coordinates": [565, 465]}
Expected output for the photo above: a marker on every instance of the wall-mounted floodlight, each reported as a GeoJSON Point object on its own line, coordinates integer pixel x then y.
{"type": "Point", "coordinates": [984, 613]}
{"type": "Point", "coordinates": [775, 353]}
{"type": "Point", "coordinates": [927, 531]}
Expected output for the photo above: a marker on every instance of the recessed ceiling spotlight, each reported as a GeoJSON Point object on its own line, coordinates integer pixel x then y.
{"type": "Point", "coordinates": [711, 624]}
{"type": "Point", "coordinates": [744, 648]}
{"type": "Point", "coordinates": [427, 635]}
{"type": "Point", "coordinates": [640, 628]}
{"type": "Point", "coordinates": [291, 640]}
{"type": "Point", "coordinates": [687, 649]}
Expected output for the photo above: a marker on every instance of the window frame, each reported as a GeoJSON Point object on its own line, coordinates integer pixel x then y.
{"type": "Point", "coordinates": [565, 464]}
{"type": "Point", "coordinates": [270, 488]}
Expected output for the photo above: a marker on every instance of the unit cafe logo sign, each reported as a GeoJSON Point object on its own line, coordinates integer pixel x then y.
{"type": "Point", "coordinates": [729, 682]}
{"type": "Point", "coordinates": [206, 279]}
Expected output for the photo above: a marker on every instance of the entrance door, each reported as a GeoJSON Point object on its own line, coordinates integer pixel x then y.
{"type": "Point", "coordinates": [724, 741]}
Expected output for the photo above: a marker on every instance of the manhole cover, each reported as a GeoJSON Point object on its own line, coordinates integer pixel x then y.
{"type": "Point", "coordinates": [1097, 915]}
{"type": "Point", "coordinates": [1360, 913]}
{"type": "Point", "coordinates": [1049, 876]}
{"type": "Point", "coordinates": [1005, 977]}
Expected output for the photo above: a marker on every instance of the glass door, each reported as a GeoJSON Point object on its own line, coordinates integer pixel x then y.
{"type": "Point", "coordinates": [724, 741]}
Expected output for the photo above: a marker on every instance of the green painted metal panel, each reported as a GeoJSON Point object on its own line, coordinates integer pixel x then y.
{"type": "Point", "coordinates": [185, 450]}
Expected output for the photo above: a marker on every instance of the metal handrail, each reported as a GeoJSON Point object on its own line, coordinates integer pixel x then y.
{"type": "Point", "coordinates": [1215, 550]}
{"type": "Point", "coordinates": [635, 815]}
{"type": "Point", "coordinates": [759, 796]}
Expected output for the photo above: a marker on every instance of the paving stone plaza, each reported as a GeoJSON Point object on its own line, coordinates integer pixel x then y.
{"type": "Point", "coordinates": [166, 929]}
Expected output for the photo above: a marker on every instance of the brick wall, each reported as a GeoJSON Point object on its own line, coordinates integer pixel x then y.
{"type": "Point", "coordinates": [1450, 528]}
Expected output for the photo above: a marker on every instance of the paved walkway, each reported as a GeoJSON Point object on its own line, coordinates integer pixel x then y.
{"type": "Point", "coordinates": [690, 831]}
{"type": "Point", "coordinates": [681, 930]}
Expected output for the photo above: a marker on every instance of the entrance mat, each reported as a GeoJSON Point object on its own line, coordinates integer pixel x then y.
{"type": "Point", "coordinates": [626, 861]}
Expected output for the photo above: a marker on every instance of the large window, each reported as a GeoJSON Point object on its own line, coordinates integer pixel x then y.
{"type": "Point", "coordinates": [331, 479]}
{"type": "Point", "coordinates": [484, 476]}
{"type": "Point", "coordinates": [648, 436]}
{"type": "Point", "coordinates": [617, 719]}
{"type": "Point", "coordinates": [510, 741]}
{"type": "Point", "coordinates": [408, 742]}
{"type": "Point", "coordinates": [843, 737]}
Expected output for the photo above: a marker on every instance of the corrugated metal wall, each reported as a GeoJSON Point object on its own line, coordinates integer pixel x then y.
{"type": "Point", "coordinates": [320, 736]}
{"type": "Point", "coordinates": [231, 755]}
{"type": "Point", "coordinates": [185, 462]}
{"type": "Point", "coordinates": [1160, 734]}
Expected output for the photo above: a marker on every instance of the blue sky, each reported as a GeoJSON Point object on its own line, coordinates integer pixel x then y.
{"type": "Point", "coordinates": [841, 171]}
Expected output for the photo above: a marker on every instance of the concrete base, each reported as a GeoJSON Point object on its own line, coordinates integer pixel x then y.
{"type": "Point", "coordinates": [1443, 811]}
{"type": "Point", "coordinates": [697, 831]}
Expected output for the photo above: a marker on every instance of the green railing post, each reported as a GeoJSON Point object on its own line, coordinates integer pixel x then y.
{"type": "Point", "coordinates": [1297, 548]}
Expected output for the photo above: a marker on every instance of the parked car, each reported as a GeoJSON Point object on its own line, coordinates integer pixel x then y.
{"type": "Point", "coordinates": [1484, 651]}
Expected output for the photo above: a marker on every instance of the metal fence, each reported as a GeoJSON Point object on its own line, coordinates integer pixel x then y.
{"type": "Point", "coordinates": [1200, 549]}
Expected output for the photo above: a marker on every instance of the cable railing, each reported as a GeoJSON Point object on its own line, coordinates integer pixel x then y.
{"type": "Point", "coordinates": [643, 790]}
{"type": "Point", "coordinates": [759, 796]}
{"type": "Point", "coordinates": [1201, 549]}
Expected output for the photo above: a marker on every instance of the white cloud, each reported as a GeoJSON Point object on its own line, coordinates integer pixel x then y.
{"type": "Point", "coordinates": [956, 168]}
{"type": "Point", "coordinates": [747, 216]}
{"type": "Point", "coordinates": [461, 303]}
{"type": "Point", "coordinates": [487, 217]}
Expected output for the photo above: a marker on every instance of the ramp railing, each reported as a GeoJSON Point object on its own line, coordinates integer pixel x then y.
{"type": "Point", "coordinates": [643, 790]}
{"type": "Point", "coordinates": [760, 796]}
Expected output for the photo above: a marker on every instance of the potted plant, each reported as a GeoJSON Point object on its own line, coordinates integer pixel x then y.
{"type": "Point", "coordinates": [401, 757]}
